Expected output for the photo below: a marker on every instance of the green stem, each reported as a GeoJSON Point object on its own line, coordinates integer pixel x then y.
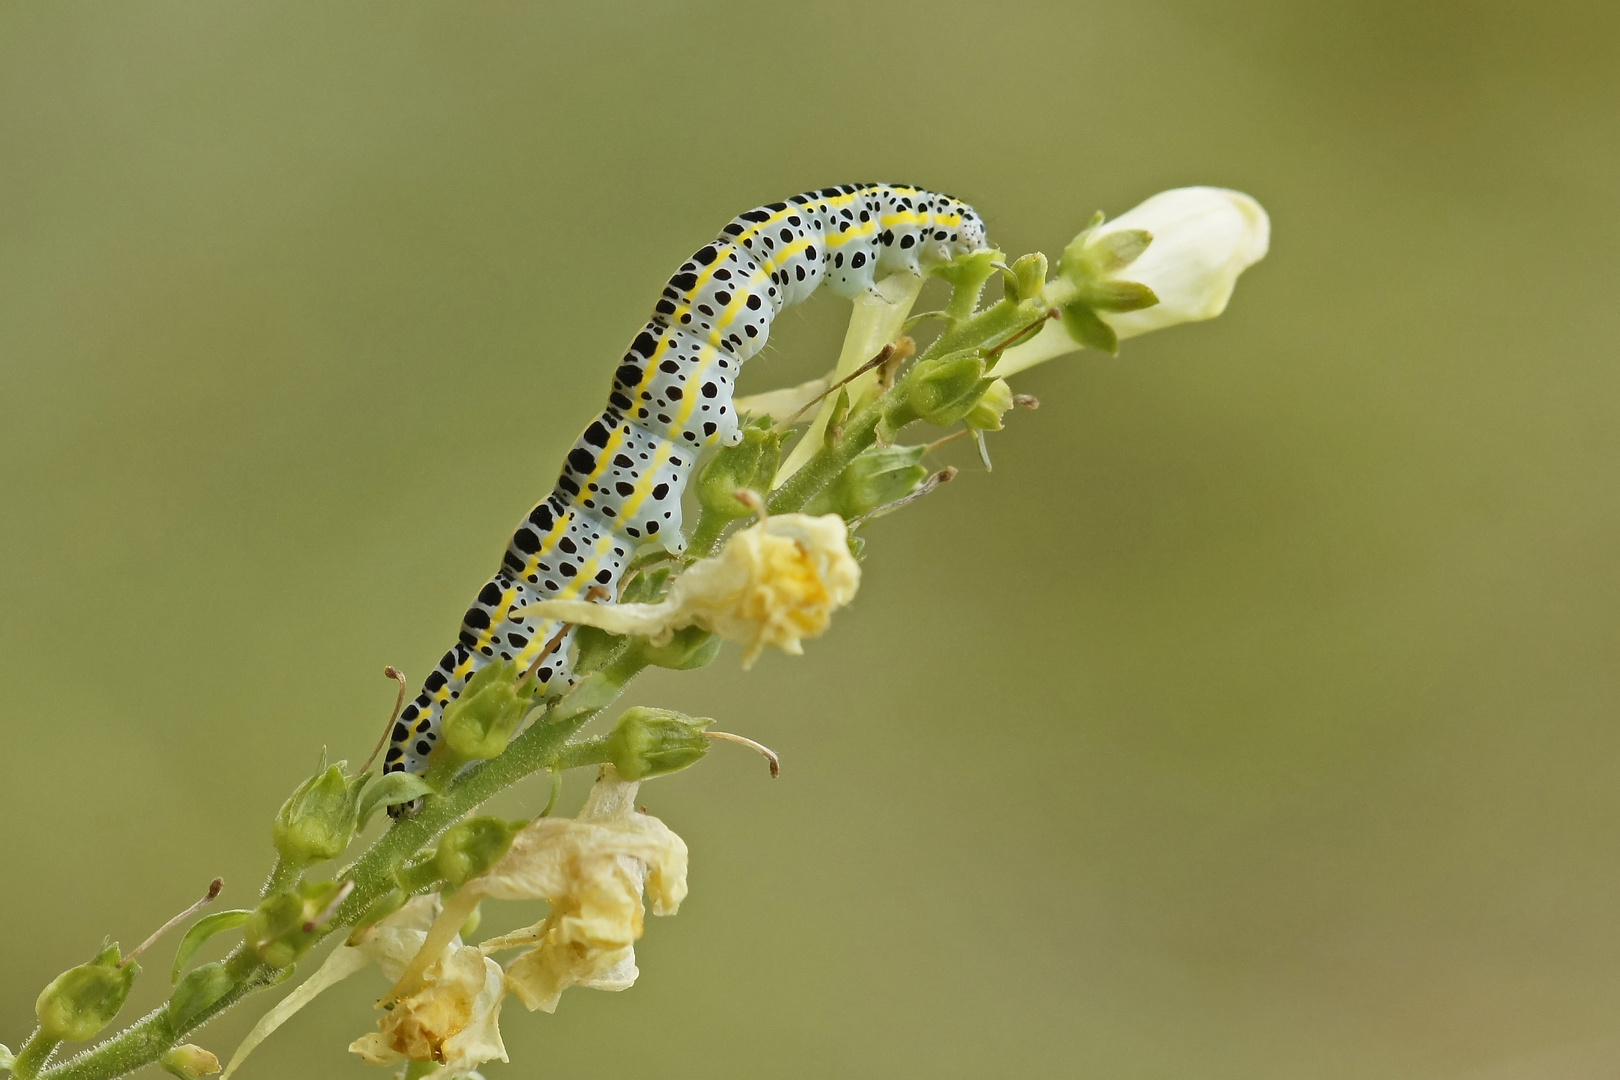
{"type": "Point", "coordinates": [144, 1041]}
{"type": "Point", "coordinates": [543, 745]}
{"type": "Point", "coordinates": [283, 876]}
{"type": "Point", "coordinates": [33, 1055]}
{"type": "Point", "coordinates": [538, 747]}
{"type": "Point", "coordinates": [706, 537]}
{"type": "Point", "coordinates": [577, 755]}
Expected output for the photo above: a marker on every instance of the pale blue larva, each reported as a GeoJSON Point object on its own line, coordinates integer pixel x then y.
{"type": "Point", "coordinates": [671, 398]}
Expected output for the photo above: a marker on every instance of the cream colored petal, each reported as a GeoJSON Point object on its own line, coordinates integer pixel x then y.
{"type": "Point", "coordinates": [393, 942]}
{"type": "Point", "coordinates": [374, 1050]}
{"type": "Point", "coordinates": [539, 976]}
{"type": "Point", "coordinates": [453, 1019]}
{"type": "Point", "coordinates": [1203, 238]}
{"type": "Point", "coordinates": [781, 404]}
{"type": "Point", "coordinates": [774, 583]}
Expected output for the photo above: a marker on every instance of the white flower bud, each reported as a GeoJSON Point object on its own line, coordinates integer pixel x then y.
{"type": "Point", "coordinates": [1203, 238]}
{"type": "Point", "coordinates": [1197, 241]}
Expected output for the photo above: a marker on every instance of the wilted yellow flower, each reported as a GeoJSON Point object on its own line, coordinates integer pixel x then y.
{"type": "Point", "coordinates": [774, 583]}
{"type": "Point", "coordinates": [452, 1019]}
{"type": "Point", "coordinates": [592, 871]}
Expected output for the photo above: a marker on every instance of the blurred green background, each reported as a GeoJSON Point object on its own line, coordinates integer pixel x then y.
{"type": "Point", "coordinates": [1254, 719]}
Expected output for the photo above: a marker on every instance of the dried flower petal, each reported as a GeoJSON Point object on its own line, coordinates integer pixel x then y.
{"type": "Point", "coordinates": [774, 583]}
{"type": "Point", "coordinates": [453, 1020]}
{"type": "Point", "coordinates": [592, 871]}
{"type": "Point", "coordinates": [391, 945]}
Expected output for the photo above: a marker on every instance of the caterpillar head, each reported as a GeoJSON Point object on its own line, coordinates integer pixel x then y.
{"type": "Point", "coordinates": [972, 234]}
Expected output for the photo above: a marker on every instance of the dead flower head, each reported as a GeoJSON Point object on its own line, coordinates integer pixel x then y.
{"type": "Point", "coordinates": [774, 583]}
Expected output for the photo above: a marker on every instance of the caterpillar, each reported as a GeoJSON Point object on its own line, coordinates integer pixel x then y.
{"type": "Point", "coordinates": [671, 394]}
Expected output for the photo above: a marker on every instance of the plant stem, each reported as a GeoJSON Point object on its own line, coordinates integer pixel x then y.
{"type": "Point", "coordinates": [33, 1055]}
{"type": "Point", "coordinates": [536, 748]}
{"type": "Point", "coordinates": [144, 1041]}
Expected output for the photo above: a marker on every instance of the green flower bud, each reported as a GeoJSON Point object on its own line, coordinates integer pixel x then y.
{"type": "Point", "coordinates": [987, 414]}
{"type": "Point", "coordinates": [7, 1058]}
{"type": "Point", "coordinates": [276, 934]}
{"type": "Point", "coordinates": [1029, 271]}
{"type": "Point", "coordinates": [878, 476]}
{"type": "Point", "coordinates": [189, 1061]}
{"type": "Point", "coordinates": [473, 847]}
{"type": "Point", "coordinates": [479, 724]}
{"type": "Point", "coordinates": [81, 1001]}
{"type": "Point", "coordinates": [944, 390]}
{"type": "Point", "coordinates": [201, 989]}
{"type": "Point", "coordinates": [320, 818]}
{"type": "Point", "coordinates": [652, 742]}
{"type": "Point", "coordinates": [750, 464]}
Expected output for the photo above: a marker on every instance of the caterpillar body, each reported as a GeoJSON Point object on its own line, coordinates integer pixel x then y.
{"type": "Point", "coordinates": [671, 397]}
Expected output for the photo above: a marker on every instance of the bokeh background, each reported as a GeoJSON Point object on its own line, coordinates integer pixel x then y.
{"type": "Point", "coordinates": [1254, 719]}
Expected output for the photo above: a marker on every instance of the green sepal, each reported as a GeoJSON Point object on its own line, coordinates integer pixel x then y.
{"type": "Point", "coordinates": [688, 648]}
{"type": "Point", "coordinates": [1029, 272]}
{"type": "Point", "coordinates": [319, 819]}
{"type": "Point", "coordinates": [1107, 255]}
{"type": "Point", "coordinates": [751, 464]}
{"type": "Point", "coordinates": [201, 931]}
{"type": "Point", "coordinates": [1085, 327]}
{"type": "Point", "coordinates": [945, 389]}
{"type": "Point", "coordinates": [593, 646]}
{"type": "Point", "coordinates": [835, 419]}
{"type": "Point", "coordinates": [1116, 295]}
{"type": "Point", "coordinates": [967, 276]}
{"type": "Point", "coordinates": [478, 724]}
{"type": "Point", "coordinates": [391, 789]}
{"type": "Point", "coordinates": [472, 847]}
{"type": "Point", "coordinates": [198, 992]}
{"type": "Point", "coordinates": [877, 476]}
{"type": "Point", "coordinates": [1071, 264]}
{"type": "Point", "coordinates": [188, 1062]}
{"type": "Point", "coordinates": [416, 874]}
{"type": "Point", "coordinates": [652, 742]}
{"type": "Point", "coordinates": [274, 934]}
{"type": "Point", "coordinates": [647, 587]}
{"type": "Point", "coordinates": [82, 1000]}
{"type": "Point", "coordinates": [384, 906]}
{"type": "Point", "coordinates": [589, 694]}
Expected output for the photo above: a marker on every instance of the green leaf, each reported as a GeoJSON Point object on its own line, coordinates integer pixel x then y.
{"type": "Point", "coordinates": [394, 788]}
{"type": "Point", "coordinates": [201, 931]}
{"type": "Point", "coordinates": [1071, 262]}
{"type": "Point", "coordinates": [1085, 327]}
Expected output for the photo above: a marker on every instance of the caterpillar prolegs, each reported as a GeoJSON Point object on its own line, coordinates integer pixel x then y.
{"type": "Point", "coordinates": [622, 482]}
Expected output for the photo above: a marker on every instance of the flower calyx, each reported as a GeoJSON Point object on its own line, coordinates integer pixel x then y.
{"type": "Point", "coordinates": [82, 1000]}
{"type": "Point", "coordinates": [320, 818]}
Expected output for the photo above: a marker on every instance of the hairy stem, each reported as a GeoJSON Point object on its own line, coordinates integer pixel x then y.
{"type": "Point", "coordinates": [33, 1055]}
{"type": "Point", "coordinates": [536, 748]}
